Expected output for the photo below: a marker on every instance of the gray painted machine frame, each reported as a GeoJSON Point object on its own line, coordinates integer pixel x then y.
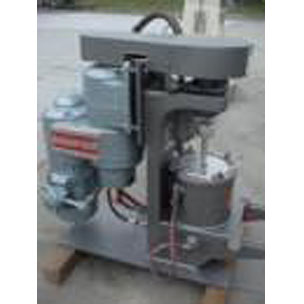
{"type": "Point", "coordinates": [220, 58]}
{"type": "Point", "coordinates": [159, 105]}
{"type": "Point", "coordinates": [211, 58]}
{"type": "Point", "coordinates": [108, 237]}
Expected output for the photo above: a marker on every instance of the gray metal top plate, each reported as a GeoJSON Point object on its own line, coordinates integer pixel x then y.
{"type": "Point", "coordinates": [213, 58]}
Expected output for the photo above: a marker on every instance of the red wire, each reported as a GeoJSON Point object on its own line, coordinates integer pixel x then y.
{"type": "Point", "coordinates": [131, 198]}
{"type": "Point", "coordinates": [173, 241]}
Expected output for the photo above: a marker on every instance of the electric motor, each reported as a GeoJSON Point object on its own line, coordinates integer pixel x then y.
{"type": "Point", "coordinates": [70, 179]}
{"type": "Point", "coordinates": [107, 93]}
{"type": "Point", "coordinates": [91, 143]}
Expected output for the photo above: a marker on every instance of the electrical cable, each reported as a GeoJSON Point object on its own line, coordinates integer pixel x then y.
{"type": "Point", "coordinates": [173, 236]}
{"type": "Point", "coordinates": [132, 199]}
{"type": "Point", "coordinates": [252, 211]}
{"type": "Point", "coordinates": [171, 20]}
{"type": "Point", "coordinates": [121, 201]}
{"type": "Point", "coordinates": [172, 243]}
{"type": "Point", "coordinates": [118, 214]}
{"type": "Point", "coordinates": [121, 196]}
{"type": "Point", "coordinates": [176, 28]}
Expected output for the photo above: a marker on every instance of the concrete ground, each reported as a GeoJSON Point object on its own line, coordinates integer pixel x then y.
{"type": "Point", "coordinates": [240, 130]}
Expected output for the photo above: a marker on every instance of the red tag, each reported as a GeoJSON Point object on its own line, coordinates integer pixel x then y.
{"type": "Point", "coordinates": [79, 145]}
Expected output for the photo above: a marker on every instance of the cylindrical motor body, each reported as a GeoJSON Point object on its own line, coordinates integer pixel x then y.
{"type": "Point", "coordinates": [119, 156]}
{"type": "Point", "coordinates": [207, 185]}
{"type": "Point", "coordinates": [106, 91]}
{"type": "Point", "coordinates": [67, 108]}
{"type": "Point", "coordinates": [69, 177]}
{"type": "Point", "coordinates": [208, 190]}
{"type": "Point", "coordinates": [91, 142]}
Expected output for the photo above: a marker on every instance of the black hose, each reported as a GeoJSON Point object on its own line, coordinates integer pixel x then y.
{"type": "Point", "coordinates": [131, 205]}
{"type": "Point", "coordinates": [156, 80]}
{"type": "Point", "coordinates": [171, 20]}
{"type": "Point", "coordinates": [114, 210]}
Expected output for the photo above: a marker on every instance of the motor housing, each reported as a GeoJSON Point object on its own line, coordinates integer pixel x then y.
{"type": "Point", "coordinates": [91, 143]}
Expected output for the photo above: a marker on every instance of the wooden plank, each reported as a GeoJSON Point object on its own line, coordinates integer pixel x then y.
{"type": "Point", "coordinates": [214, 295]}
{"type": "Point", "coordinates": [60, 263]}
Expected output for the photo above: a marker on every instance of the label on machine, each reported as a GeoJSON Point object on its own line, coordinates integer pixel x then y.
{"type": "Point", "coordinates": [78, 141]}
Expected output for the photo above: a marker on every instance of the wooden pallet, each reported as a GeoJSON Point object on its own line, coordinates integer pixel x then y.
{"type": "Point", "coordinates": [59, 264]}
{"type": "Point", "coordinates": [213, 296]}
{"type": "Point", "coordinates": [61, 261]}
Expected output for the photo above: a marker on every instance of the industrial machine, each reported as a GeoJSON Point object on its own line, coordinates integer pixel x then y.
{"type": "Point", "coordinates": [148, 99]}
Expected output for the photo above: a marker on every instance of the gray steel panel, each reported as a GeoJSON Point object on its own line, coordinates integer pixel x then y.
{"type": "Point", "coordinates": [111, 238]}
{"type": "Point", "coordinates": [213, 58]}
{"type": "Point", "coordinates": [158, 106]}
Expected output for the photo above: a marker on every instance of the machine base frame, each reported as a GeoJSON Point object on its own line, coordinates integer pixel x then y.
{"type": "Point", "coordinates": [108, 237]}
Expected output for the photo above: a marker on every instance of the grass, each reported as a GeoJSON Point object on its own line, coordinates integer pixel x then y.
{"type": "Point", "coordinates": [134, 5]}
{"type": "Point", "coordinates": [254, 10]}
